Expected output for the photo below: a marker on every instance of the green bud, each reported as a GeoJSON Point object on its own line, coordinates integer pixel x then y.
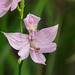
{"type": "Point", "coordinates": [19, 62]}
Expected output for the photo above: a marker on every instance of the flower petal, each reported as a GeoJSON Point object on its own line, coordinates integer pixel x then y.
{"type": "Point", "coordinates": [46, 46]}
{"type": "Point", "coordinates": [37, 57]}
{"type": "Point", "coordinates": [17, 40]}
{"type": "Point", "coordinates": [31, 18]}
{"type": "Point", "coordinates": [3, 12]}
{"type": "Point", "coordinates": [35, 18]}
{"type": "Point", "coordinates": [4, 7]}
{"type": "Point", "coordinates": [48, 49]}
{"type": "Point", "coordinates": [5, 3]}
{"type": "Point", "coordinates": [46, 34]}
{"type": "Point", "coordinates": [14, 4]}
{"type": "Point", "coordinates": [24, 52]}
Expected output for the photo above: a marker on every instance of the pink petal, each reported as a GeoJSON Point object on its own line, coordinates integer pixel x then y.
{"type": "Point", "coordinates": [3, 12]}
{"type": "Point", "coordinates": [37, 57]}
{"type": "Point", "coordinates": [3, 2]}
{"type": "Point", "coordinates": [45, 46]}
{"type": "Point", "coordinates": [31, 18]}
{"type": "Point", "coordinates": [24, 52]}
{"type": "Point", "coordinates": [48, 49]}
{"type": "Point", "coordinates": [14, 4]}
{"type": "Point", "coordinates": [4, 7]}
{"type": "Point", "coordinates": [47, 34]}
{"type": "Point", "coordinates": [17, 40]}
{"type": "Point", "coordinates": [35, 18]}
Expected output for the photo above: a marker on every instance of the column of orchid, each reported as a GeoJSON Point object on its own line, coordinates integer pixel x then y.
{"type": "Point", "coordinates": [35, 43]}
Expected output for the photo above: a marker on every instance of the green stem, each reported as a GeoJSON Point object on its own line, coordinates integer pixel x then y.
{"type": "Point", "coordinates": [18, 8]}
{"type": "Point", "coordinates": [21, 14]}
{"type": "Point", "coordinates": [22, 8]}
{"type": "Point", "coordinates": [20, 66]}
{"type": "Point", "coordinates": [21, 29]}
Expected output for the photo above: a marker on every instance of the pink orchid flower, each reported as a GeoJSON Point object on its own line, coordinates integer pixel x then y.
{"type": "Point", "coordinates": [5, 5]}
{"type": "Point", "coordinates": [42, 43]}
{"type": "Point", "coordinates": [31, 22]}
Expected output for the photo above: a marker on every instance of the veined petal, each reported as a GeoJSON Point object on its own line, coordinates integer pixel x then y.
{"type": "Point", "coordinates": [47, 34]}
{"type": "Point", "coordinates": [17, 40]}
{"type": "Point", "coordinates": [45, 46]}
{"type": "Point", "coordinates": [31, 19]}
{"type": "Point", "coordinates": [48, 49]}
{"type": "Point", "coordinates": [14, 4]}
{"type": "Point", "coordinates": [24, 52]}
{"type": "Point", "coordinates": [37, 57]}
{"type": "Point", "coordinates": [5, 2]}
{"type": "Point", "coordinates": [4, 6]}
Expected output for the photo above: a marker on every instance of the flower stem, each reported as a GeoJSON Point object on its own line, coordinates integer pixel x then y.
{"type": "Point", "coordinates": [22, 8]}
{"type": "Point", "coordinates": [21, 26]}
{"type": "Point", "coordinates": [20, 65]}
{"type": "Point", "coordinates": [21, 29]}
{"type": "Point", "coordinates": [18, 8]}
{"type": "Point", "coordinates": [21, 14]}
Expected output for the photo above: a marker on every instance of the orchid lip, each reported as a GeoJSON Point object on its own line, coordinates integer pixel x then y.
{"type": "Point", "coordinates": [31, 26]}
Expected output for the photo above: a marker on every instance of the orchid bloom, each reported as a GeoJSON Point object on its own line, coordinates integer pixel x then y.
{"type": "Point", "coordinates": [31, 22]}
{"type": "Point", "coordinates": [5, 5]}
{"type": "Point", "coordinates": [42, 43]}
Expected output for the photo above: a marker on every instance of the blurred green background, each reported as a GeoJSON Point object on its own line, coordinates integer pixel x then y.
{"type": "Point", "coordinates": [52, 12]}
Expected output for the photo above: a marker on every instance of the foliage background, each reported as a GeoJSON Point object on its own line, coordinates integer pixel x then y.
{"type": "Point", "coordinates": [52, 12]}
